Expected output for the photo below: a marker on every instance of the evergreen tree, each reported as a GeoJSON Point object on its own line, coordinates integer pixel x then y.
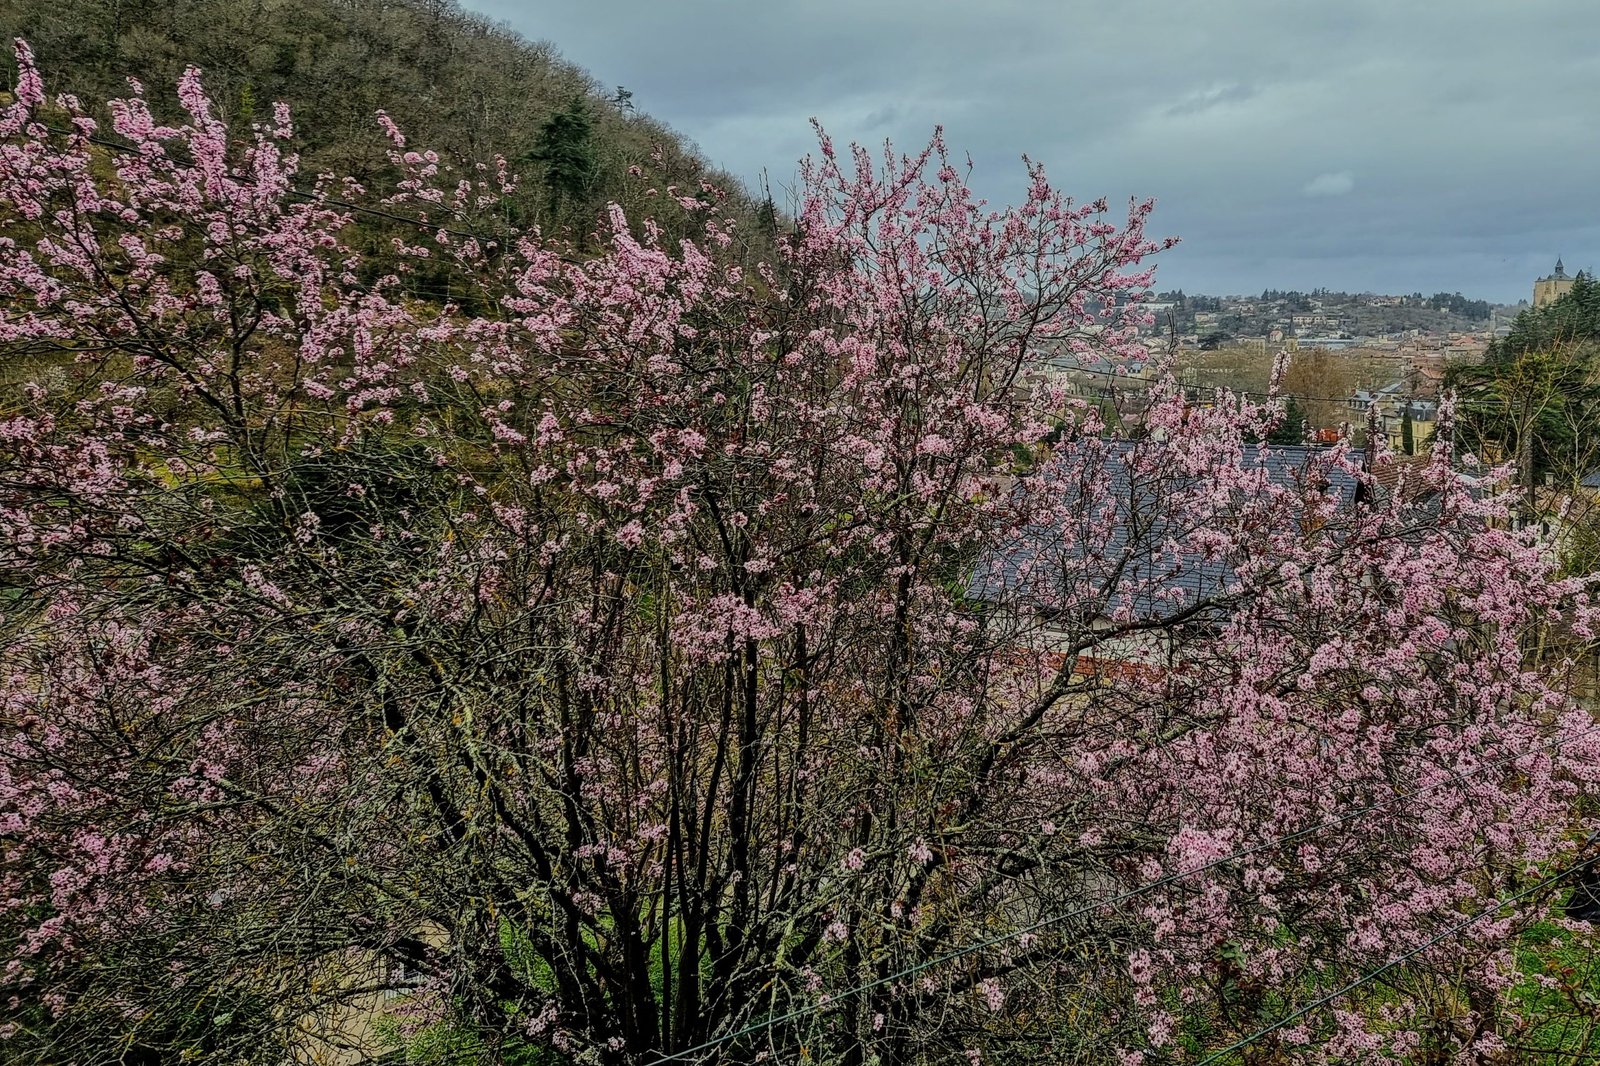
{"type": "Point", "coordinates": [1408, 433]}
{"type": "Point", "coordinates": [1540, 408]}
{"type": "Point", "coordinates": [1574, 317]}
{"type": "Point", "coordinates": [767, 219]}
{"type": "Point", "coordinates": [565, 148]}
{"type": "Point", "coordinates": [1292, 430]}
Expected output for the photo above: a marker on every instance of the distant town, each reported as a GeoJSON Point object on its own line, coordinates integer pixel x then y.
{"type": "Point", "coordinates": [1355, 355]}
{"type": "Point", "coordinates": [1443, 323]}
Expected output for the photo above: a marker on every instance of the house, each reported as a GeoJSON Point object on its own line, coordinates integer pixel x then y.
{"type": "Point", "coordinates": [1427, 380]}
{"type": "Point", "coordinates": [1424, 416]}
{"type": "Point", "coordinates": [1384, 399]}
{"type": "Point", "coordinates": [1389, 407]}
{"type": "Point", "coordinates": [1331, 343]}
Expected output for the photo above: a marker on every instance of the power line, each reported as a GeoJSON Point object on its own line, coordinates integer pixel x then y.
{"type": "Point", "coordinates": [1151, 387]}
{"type": "Point", "coordinates": [1373, 975]}
{"type": "Point", "coordinates": [1173, 878]}
{"type": "Point", "coordinates": [293, 190]}
{"type": "Point", "coordinates": [432, 228]}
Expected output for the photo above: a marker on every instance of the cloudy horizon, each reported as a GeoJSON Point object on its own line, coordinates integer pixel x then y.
{"type": "Point", "coordinates": [1440, 147]}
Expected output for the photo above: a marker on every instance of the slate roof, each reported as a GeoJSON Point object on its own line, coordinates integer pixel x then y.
{"type": "Point", "coordinates": [1094, 363]}
{"type": "Point", "coordinates": [1125, 539]}
{"type": "Point", "coordinates": [1388, 392]}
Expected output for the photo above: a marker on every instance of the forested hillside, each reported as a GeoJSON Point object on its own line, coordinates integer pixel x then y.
{"type": "Point", "coordinates": [452, 80]}
{"type": "Point", "coordinates": [1574, 319]}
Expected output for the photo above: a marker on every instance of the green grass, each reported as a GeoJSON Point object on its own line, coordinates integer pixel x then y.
{"type": "Point", "coordinates": [1562, 1018]}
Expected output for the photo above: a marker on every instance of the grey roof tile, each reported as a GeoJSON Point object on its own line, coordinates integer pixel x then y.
{"type": "Point", "coordinates": [1114, 551]}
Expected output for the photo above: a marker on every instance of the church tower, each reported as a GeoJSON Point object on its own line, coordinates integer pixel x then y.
{"type": "Point", "coordinates": [1549, 289]}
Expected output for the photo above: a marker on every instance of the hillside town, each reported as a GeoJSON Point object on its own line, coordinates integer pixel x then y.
{"type": "Point", "coordinates": [1381, 357]}
{"type": "Point", "coordinates": [1448, 325]}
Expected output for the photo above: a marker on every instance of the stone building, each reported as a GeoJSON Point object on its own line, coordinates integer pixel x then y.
{"type": "Point", "coordinates": [1548, 290]}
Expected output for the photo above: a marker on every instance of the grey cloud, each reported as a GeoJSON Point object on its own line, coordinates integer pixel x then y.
{"type": "Point", "coordinates": [1464, 124]}
{"type": "Point", "coordinates": [1214, 95]}
{"type": "Point", "coordinates": [1334, 183]}
{"type": "Point", "coordinates": [883, 117]}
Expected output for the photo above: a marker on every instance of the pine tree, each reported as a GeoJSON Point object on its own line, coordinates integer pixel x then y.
{"type": "Point", "coordinates": [1292, 430]}
{"type": "Point", "coordinates": [767, 219]}
{"type": "Point", "coordinates": [566, 149]}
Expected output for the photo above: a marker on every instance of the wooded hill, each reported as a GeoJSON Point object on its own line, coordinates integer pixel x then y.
{"type": "Point", "coordinates": [454, 81]}
{"type": "Point", "coordinates": [1573, 319]}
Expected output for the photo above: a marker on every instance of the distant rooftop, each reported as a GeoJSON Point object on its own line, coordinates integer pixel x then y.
{"type": "Point", "coordinates": [1141, 557]}
{"type": "Point", "coordinates": [1559, 275]}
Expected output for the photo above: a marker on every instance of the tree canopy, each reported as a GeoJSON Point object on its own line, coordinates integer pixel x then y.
{"type": "Point", "coordinates": [1536, 397]}
{"type": "Point", "coordinates": [1572, 319]}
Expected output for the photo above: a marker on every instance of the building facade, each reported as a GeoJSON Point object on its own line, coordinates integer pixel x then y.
{"type": "Point", "coordinates": [1549, 289]}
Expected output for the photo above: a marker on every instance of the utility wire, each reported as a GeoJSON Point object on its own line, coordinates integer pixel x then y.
{"type": "Point", "coordinates": [1173, 878]}
{"type": "Point", "coordinates": [1152, 386]}
{"type": "Point", "coordinates": [293, 190]}
{"type": "Point", "coordinates": [433, 228]}
{"type": "Point", "coordinates": [1373, 975]}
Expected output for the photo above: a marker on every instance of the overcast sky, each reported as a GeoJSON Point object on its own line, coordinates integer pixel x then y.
{"type": "Point", "coordinates": [1384, 145]}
